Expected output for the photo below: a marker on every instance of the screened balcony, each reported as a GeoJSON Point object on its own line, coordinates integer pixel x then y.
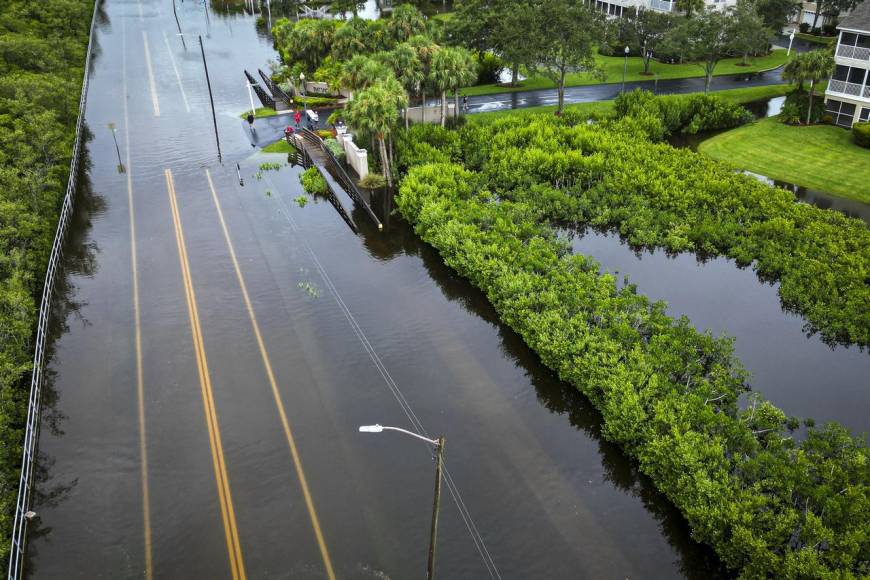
{"type": "Point", "coordinates": [854, 46]}
{"type": "Point", "coordinates": [851, 81]}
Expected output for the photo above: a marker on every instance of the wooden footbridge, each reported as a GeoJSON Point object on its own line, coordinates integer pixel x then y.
{"type": "Point", "coordinates": [311, 151]}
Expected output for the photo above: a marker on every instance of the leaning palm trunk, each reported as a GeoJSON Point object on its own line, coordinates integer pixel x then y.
{"type": "Point", "coordinates": [456, 104]}
{"type": "Point", "coordinates": [385, 161]}
{"type": "Point", "coordinates": [443, 108]}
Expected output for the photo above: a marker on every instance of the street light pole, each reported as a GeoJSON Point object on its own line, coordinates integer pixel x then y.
{"type": "Point", "coordinates": [625, 68]}
{"type": "Point", "coordinates": [436, 502]}
{"type": "Point", "coordinates": [433, 532]}
{"type": "Point", "coordinates": [251, 97]}
{"type": "Point", "coordinates": [790, 40]}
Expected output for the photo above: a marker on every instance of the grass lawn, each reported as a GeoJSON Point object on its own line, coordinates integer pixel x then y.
{"type": "Point", "coordinates": [823, 40]}
{"type": "Point", "coordinates": [613, 65]}
{"type": "Point", "coordinates": [820, 157]}
{"type": "Point", "coordinates": [603, 108]}
{"type": "Point", "coordinates": [279, 146]}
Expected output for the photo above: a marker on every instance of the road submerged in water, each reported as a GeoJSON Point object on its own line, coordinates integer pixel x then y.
{"type": "Point", "coordinates": [217, 346]}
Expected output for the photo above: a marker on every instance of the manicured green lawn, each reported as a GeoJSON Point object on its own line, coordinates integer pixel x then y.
{"type": "Point", "coordinates": [819, 157]}
{"type": "Point", "coordinates": [603, 108]}
{"type": "Point", "coordinates": [824, 40]}
{"type": "Point", "coordinates": [613, 65]}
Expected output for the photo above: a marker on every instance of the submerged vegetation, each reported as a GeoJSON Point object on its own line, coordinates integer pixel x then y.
{"type": "Point", "coordinates": [43, 54]}
{"type": "Point", "coordinates": [484, 196]}
{"type": "Point", "coordinates": [313, 182]}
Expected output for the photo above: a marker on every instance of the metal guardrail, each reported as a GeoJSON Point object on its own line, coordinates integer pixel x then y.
{"type": "Point", "coordinates": [31, 434]}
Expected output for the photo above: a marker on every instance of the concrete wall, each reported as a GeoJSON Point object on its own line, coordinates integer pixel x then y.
{"type": "Point", "coordinates": [432, 114]}
{"type": "Point", "coordinates": [357, 158]}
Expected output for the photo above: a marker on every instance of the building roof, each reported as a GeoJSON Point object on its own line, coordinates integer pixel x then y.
{"type": "Point", "coordinates": [858, 19]}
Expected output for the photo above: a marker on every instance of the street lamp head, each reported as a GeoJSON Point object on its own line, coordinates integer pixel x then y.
{"type": "Point", "coordinates": [627, 50]}
{"type": "Point", "coordinates": [371, 428]}
{"type": "Point", "coordinates": [302, 76]}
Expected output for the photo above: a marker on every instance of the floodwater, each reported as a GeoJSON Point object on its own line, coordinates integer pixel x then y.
{"type": "Point", "coordinates": [213, 445]}
{"type": "Point", "coordinates": [801, 374]}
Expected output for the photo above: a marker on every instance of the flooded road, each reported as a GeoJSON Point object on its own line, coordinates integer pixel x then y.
{"type": "Point", "coordinates": [221, 345]}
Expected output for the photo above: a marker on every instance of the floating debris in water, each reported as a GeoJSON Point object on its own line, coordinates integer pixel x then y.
{"type": "Point", "coordinates": [310, 288]}
{"type": "Point", "coordinates": [301, 200]}
{"type": "Point", "coordinates": [270, 166]}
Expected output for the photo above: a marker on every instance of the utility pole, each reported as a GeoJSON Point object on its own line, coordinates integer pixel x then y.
{"type": "Point", "coordinates": [433, 533]}
{"type": "Point", "coordinates": [210, 98]}
{"type": "Point", "coordinates": [178, 24]}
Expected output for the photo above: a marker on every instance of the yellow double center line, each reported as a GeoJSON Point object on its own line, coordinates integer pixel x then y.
{"type": "Point", "coordinates": [276, 393]}
{"type": "Point", "coordinates": [228, 515]}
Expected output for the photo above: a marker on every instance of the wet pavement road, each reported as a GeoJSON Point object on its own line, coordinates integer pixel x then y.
{"type": "Point", "coordinates": [609, 91]}
{"type": "Point", "coordinates": [217, 345]}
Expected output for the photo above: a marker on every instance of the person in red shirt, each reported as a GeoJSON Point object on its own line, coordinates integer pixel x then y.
{"type": "Point", "coordinates": [297, 116]}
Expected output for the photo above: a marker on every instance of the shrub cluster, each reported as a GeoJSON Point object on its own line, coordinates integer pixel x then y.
{"type": "Point", "coordinates": [663, 116]}
{"type": "Point", "coordinates": [861, 134]}
{"type": "Point", "coordinates": [43, 46]}
{"type": "Point", "coordinates": [313, 182]}
{"type": "Point", "coordinates": [668, 394]}
{"type": "Point", "coordinates": [608, 175]}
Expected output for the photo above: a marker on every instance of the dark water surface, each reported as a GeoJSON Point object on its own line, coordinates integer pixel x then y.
{"type": "Point", "coordinates": [352, 326]}
{"type": "Point", "coordinates": [799, 373]}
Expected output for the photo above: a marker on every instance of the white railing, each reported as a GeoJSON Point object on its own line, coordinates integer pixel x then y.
{"type": "Point", "coordinates": [31, 433]}
{"type": "Point", "coordinates": [661, 5]}
{"type": "Point", "coordinates": [844, 88]}
{"type": "Point", "coordinates": [853, 52]}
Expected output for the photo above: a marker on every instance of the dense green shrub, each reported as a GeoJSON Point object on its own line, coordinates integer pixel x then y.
{"type": "Point", "coordinates": [313, 182]}
{"type": "Point", "coordinates": [680, 113]}
{"type": "Point", "coordinates": [608, 175]}
{"type": "Point", "coordinates": [335, 148]}
{"type": "Point", "coordinates": [800, 101]}
{"type": "Point", "coordinates": [43, 54]}
{"type": "Point", "coordinates": [861, 134]}
{"type": "Point", "coordinates": [804, 27]}
{"type": "Point", "coordinates": [668, 394]}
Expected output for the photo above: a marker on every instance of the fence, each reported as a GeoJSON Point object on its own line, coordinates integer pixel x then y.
{"type": "Point", "coordinates": [31, 434]}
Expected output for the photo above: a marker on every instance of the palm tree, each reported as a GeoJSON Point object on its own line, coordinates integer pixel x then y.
{"type": "Point", "coordinates": [375, 110]}
{"type": "Point", "coordinates": [794, 71]}
{"type": "Point", "coordinates": [408, 69]}
{"type": "Point", "coordinates": [452, 68]}
{"type": "Point", "coordinates": [817, 66]}
{"type": "Point", "coordinates": [362, 71]}
{"type": "Point", "coordinates": [426, 49]}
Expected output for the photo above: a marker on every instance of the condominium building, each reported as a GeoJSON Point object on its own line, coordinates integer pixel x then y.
{"type": "Point", "coordinates": [616, 7]}
{"type": "Point", "coordinates": [847, 98]}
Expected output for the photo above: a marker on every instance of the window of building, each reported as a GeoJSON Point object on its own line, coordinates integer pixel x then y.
{"type": "Point", "coordinates": [856, 75]}
{"type": "Point", "coordinates": [865, 114]}
{"type": "Point", "coordinates": [863, 41]}
{"type": "Point", "coordinates": [842, 113]}
{"type": "Point", "coordinates": [841, 73]}
{"type": "Point", "coordinates": [849, 39]}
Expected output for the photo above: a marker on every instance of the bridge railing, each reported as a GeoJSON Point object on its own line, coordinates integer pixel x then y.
{"type": "Point", "coordinates": [31, 432]}
{"type": "Point", "coordinates": [343, 178]}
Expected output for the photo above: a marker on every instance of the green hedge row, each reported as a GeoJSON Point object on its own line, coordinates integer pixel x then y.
{"type": "Point", "coordinates": [610, 175]}
{"type": "Point", "coordinates": [861, 134]}
{"type": "Point", "coordinates": [771, 507]}
{"type": "Point", "coordinates": [42, 55]}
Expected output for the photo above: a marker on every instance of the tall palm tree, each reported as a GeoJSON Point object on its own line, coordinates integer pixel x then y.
{"type": "Point", "coordinates": [375, 110]}
{"type": "Point", "coordinates": [406, 65]}
{"type": "Point", "coordinates": [426, 49]}
{"type": "Point", "coordinates": [452, 68]}
{"type": "Point", "coordinates": [362, 71]}
{"type": "Point", "coordinates": [818, 65]}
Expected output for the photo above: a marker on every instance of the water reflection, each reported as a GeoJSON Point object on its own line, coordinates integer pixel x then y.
{"type": "Point", "coordinates": [696, 561]}
{"type": "Point", "coordinates": [79, 260]}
